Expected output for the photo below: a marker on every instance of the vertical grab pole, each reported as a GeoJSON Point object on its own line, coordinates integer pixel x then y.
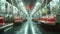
{"type": "Point", "coordinates": [0, 6]}
{"type": "Point", "coordinates": [12, 11]}
{"type": "Point", "coordinates": [51, 10]}
{"type": "Point", "coordinates": [40, 13]}
{"type": "Point", "coordinates": [46, 8]}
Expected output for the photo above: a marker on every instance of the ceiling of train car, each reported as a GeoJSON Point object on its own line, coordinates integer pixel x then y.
{"type": "Point", "coordinates": [27, 2]}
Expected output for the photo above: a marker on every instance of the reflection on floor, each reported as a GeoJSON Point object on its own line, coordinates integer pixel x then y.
{"type": "Point", "coordinates": [31, 28]}
{"type": "Point", "coordinates": [21, 29]}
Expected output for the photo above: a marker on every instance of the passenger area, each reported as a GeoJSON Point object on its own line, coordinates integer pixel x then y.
{"type": "Point", "coordinates": [29, 16]}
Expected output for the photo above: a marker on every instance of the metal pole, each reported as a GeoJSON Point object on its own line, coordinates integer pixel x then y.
{"type": "Point", "coordinates": [46, 7]}
{"type": "Point", "coordinates": [0, 6]}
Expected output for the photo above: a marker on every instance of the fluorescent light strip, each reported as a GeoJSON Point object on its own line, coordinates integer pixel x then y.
{"type": "Point", "coordinates": [35, 8]}
{"type": "Point", "coordinates": [23, 8]}
{"type": "Point", "coordinates": [33, 11]}
{"type": "Point", "coordinates": [38, 3]}
{"type": "Point", "coordinates": [21, 3]}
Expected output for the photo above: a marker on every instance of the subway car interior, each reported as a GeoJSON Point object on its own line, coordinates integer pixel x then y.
{"type": "Point", "coordinates": [29, 16]}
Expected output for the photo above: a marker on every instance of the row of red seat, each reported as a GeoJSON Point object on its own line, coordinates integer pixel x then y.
{"type": "Point", "coordinates": [15, 19]}
{"type": "Point", "coordinates": [49, 19]}
{"type": "Point", "coordinates": [19, 19]}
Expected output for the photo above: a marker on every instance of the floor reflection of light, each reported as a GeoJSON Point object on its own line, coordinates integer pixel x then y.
{"type": "Point", "coordinates": [32, 28]}
{"type": "Point", "coordinates": [23, 29]}
{"type": "Point", "coordinates": [26, 28]}
{"type": "Point", "coordinates": [32, 25]}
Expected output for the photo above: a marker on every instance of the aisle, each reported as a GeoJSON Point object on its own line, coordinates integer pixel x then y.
{"type": "Point", "coordinates": [22, 29]}
{"type": "Point", "coordinates": [27, 28]}
{"type": "Point", "coordinates": [31, 27]}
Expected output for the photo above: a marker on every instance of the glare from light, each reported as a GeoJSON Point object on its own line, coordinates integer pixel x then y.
{"type": "Point", "coordinates": [38, 3]}
{"type": "Point", "coordinates": [2, 0]}
{"type": "Point", "coordinates": [15, 10]}
{"type": "Point", "coordinates": [21, 3]}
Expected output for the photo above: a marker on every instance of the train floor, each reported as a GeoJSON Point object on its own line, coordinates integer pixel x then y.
{"type": "Point", "coordinates": [31, 27]}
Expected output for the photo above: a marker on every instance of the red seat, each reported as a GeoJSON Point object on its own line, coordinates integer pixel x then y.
{"type": "Point", "coordinates": [19, 19]}
{"type": "Point", "coordinates": [51, 19]}
{"type": "Point", "coordinates": [1, 21]}
{"type": "Point", "coordinates": [43, 18]}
